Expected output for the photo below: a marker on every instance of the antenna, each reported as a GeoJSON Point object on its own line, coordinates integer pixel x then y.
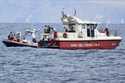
{"type": "Point", "coordinates": [63, 12]}
{"type": "Point", "coordinates": [74, 12]}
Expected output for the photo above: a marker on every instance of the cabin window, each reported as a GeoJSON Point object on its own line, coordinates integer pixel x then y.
{"type": "Point", "coordinates": [91, 30]}
{"type": "Point", "coordinates": [71, 28]}
{"type": "Point", "coordinates": [88, 32]}
{"type": "Point", "coordinates": [83, 26]}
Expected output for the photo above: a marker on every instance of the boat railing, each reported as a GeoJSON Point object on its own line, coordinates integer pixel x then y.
{"type": "Point", "coordinates": [114, 33]}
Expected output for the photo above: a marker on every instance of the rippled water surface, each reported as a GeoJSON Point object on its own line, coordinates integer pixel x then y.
{"type": "Point", "coordinates": [32, 65]}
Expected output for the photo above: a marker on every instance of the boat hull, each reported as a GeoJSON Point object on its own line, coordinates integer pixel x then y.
{"type": "Point", "coordinates": [90, 44]}
{"type": "Point", "coordinates": [81, 44]}
{"type": "Point", "coordinates": [11, 43]}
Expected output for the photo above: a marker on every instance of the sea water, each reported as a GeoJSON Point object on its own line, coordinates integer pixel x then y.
{"type": "Point", "coordinates": [40, 65]}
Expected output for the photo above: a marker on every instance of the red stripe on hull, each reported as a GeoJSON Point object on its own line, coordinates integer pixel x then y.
{"type": "Point", "coordinates": [97, 44]}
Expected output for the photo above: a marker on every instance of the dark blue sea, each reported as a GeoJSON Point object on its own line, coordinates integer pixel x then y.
{"type": "Point", "coordinates": [40, 65]}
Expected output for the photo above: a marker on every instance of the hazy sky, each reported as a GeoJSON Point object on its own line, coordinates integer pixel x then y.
{"type": "Point", "coordinates": [108, 11]}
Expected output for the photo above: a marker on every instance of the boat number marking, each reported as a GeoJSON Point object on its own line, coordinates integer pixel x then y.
{"type": "Point", "coordinates": [84, 45]}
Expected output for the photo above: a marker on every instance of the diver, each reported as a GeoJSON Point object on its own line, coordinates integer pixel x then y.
{"type": "Point", "coordinates": [34, 38]}
{"type": "Point", "coordinates": [11, 36]}
{"type": "Point", "coordinates": [18, 36]}
{"type": "Point", "coordinates": [47, 29]}
{"type": "Point", "coordinates": [107, 31]}
{"type": "Point", "coordinates": [40, 43]}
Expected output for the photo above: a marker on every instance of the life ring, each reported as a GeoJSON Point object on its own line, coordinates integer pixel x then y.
{"type": "Point", "coordinates": [65, 35]}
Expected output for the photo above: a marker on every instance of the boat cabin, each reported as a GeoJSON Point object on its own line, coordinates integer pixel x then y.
{"type": "Point", "coordinates": [74, 29]}
{"type": "Point", "coordinates": [75, 25]}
